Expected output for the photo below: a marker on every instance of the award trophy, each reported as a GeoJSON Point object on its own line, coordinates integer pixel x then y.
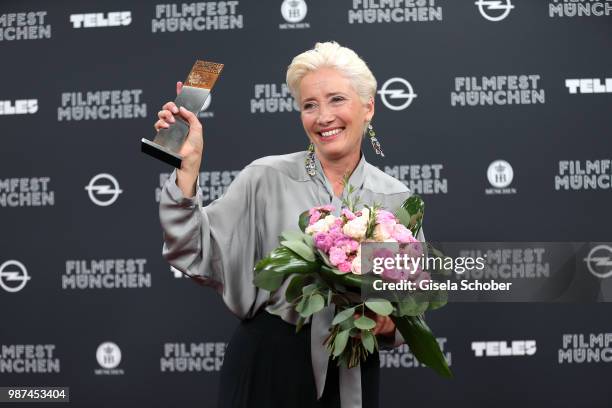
{"type": "Point", "coordinates": [168, 142]}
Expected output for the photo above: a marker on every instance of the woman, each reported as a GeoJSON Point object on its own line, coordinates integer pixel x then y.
{"type": "Point", "coordinates": [267, 363]}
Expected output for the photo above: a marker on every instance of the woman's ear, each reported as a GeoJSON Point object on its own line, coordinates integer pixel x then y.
{"type": "Point", "coordinates": [370, 109]}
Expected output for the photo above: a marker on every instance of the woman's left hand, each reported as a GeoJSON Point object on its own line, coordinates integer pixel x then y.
{"type": "Point", "coordinates": [384, 326]}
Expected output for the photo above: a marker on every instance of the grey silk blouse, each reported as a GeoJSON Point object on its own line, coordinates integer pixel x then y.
{"type": "Point", "coordinates": [219, 244]}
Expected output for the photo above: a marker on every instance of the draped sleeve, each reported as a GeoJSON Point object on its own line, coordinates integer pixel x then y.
{"type": "Point", "coordinates": [215, 244]}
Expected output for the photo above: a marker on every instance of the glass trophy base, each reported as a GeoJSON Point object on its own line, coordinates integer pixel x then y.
{"type": "Point", "coordinates": [161, 153]}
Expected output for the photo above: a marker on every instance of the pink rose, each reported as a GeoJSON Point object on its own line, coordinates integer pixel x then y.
{"type": "Point", "coordinates": [402, 234]}
{"type": "Point", "coordinates": [384, 216]}
{"type": "Point", "coordinates": [348, 214]}
{"type": "Point", "coordinates": [336, 255]}
{"type": "Point", "coordinates": [323, 241]}
{"type": "Point", "coordinates": [344, 266]}
{"type": "Point", "coordinates": [314, 216]}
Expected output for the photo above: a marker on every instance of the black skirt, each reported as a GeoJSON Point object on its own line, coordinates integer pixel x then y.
{"type": "Point", "coordinates": [267, 364]}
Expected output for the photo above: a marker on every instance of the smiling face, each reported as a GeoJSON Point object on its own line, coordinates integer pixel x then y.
{"type": "Point", "coordinates": [333, 114]}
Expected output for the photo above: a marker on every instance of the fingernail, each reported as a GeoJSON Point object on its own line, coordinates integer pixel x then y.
{"type": "Point", "coordinates": [175, 110]}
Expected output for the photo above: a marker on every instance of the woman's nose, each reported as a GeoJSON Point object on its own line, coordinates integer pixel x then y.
{"type": "Point", "coordinates": [325, 116]}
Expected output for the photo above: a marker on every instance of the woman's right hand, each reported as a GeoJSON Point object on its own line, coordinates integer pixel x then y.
{"type": "Point", "coordinates": [192, 148]}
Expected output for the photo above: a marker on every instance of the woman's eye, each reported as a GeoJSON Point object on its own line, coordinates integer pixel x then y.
{"type": "Point", "coordinates": [337, 99]}
{"type": "Point", "coordinates": [309, 106]}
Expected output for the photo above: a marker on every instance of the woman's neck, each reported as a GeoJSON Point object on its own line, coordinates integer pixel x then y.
{"type": "Point", "coordinates": [336, 170]}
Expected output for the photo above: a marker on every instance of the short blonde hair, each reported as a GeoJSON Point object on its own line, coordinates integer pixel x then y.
{"type": "Point", "coordinates": [332, 55]}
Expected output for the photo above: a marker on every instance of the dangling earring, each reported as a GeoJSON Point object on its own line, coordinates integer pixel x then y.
{"type": "Point", "coordinates": [374, 140]}
{"type": "Point", "coordinates": [309, 162]}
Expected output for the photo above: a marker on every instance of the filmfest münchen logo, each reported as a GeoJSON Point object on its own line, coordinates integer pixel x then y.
{"type": "Point", "coordinates": [396, 11]}
{"type": "Point", "coordinates": [578, 348]}
{"type": "Point", "coordinates": [584, 175]}
{"type": "Point", "coordinates": [401, 357]}
{"type": "Point", "coordinates": [13, 276]}
{"type": "Point", "coordinates": [108, 356]}
{"type": "Point", "coordinates": [517, 89]}
{"type": "Point", "coordinates": [24, 26]}
{"type": "Point", "coordinates": [273, 98]}
{"type": "Point", "coordinates": [500, 175]}
{"type": "Point", "coordinates": [582, 8]}
{"type": "Point", "coordinates": [494, 10]}
{"type": "Point", "coordinates": [103, 189]}
{"type": "Point", "coordinates": [29, 359]}
{"type": "Point", "coordinates": [201, 16]}
{"type": "Point", "coordinates": [397, 94]}
{"type": "Point", "coordinates": [102, 105]}
{"type": "Point", "coordinates": [420, 178]}
{"type": "Point", "coordinates": [94, 20]}
{"type": "Point", "coordinates": [189, 357]}
{"type": "Point", "coordinates": [599, 261]}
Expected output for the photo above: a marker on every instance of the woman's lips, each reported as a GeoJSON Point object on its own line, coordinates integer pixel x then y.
{"type": "Point", "coordinates": [331, 134]}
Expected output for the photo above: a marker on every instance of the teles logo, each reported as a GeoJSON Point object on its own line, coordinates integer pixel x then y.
{"type": "Point", "coordinates": [103, 189]}
{"type": "Point", "coordinates": [397, 94]}
{"type": "Point", "coordinates": [13, 276]}
{"type": "Point", "coordinates": [599, 261]}
{"type": "Point", "coordinates": [589, 85]}
{"type": "Point", "coordinates": [19, 107]}
{"type": "Point", "coordinates": [108, 356]}
{"type": "Point", "coordinates": [503, 349]}
{"type": "Point", "coordinates": [500, 176]}
{"type": "Point", "coordinates": [93, 20]}
{"type": "Point", "coordinates": [494, 10]}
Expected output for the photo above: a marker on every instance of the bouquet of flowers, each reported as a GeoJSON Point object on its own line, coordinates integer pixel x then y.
{"type": "Point", "coordinates": [323, 262]}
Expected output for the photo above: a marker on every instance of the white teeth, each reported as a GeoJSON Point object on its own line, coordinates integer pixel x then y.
{"type": "Point", "coordinates": [331, 132]}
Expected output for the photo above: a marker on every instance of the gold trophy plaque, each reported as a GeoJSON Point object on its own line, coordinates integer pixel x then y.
{"type": "Point", "coordinates": [168, 142]}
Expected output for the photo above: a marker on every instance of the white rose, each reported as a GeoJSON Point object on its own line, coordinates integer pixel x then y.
{"type": "Point", "coordinates": [381, 234]}
{"type": "Point", "coordinates": [356, 228]}
{"type": "Point", "coordinates": [356, 264]}
{"type": "Point", "coordinates": [319, 226]}
{"type": "Point", "coordinates": [330, 220]}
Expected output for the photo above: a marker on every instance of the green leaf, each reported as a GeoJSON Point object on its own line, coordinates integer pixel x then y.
{"type": "Point", "coordinates": [283, 262]}
{"type": "Point", "coordinates": [292, 235]}
{"type": "Point", "coordinates": [309, 240]}
{"type": "Point", "coordinates": [304, 220]}
{"type": "Point", "coordinates": [410, 306]}
{"type": "Point", "coordinates": [313, 305]}
{"type": "Point", "coordinates": [367, 338]}
{"type": "Point", "coordinates": [415, 206]}
{"type": "Point", "coordinates": [340, 342]}
{"type": "Point", "coordinates": [309, 289]}
{"type": "Point", "coordinates": [403, 216]}
{"type": "Point", "coordinates": [269, 280]}
{"type": "Point", "coordinates": [343, 315]}
{"type": "Point", "coordinates": [299, 324]}
{"type": "Point", "coordinates": [324, 257]}
{"type": "Point", "coordinates": [365, 323]}
{"type": "Point", "coordinates": [301, 304]}
{"type": "Point", "coordinates": [300, 248]}
{"type": "Point", "coordinates": [422, 343]}
{"type": "Point", "coordinates": [294, 289]}
{"type": "Point", "coordinates": [380, 306]}
{"type": "Point", "coordinates": [437, 299]}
